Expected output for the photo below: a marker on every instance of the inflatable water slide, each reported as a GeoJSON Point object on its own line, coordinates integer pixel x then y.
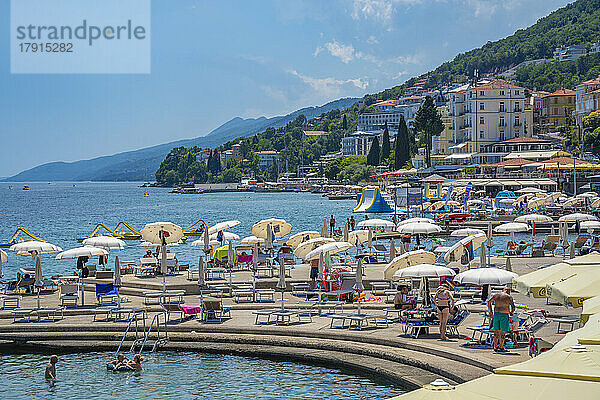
{"type": "Point", "coordinates": [371, 201]}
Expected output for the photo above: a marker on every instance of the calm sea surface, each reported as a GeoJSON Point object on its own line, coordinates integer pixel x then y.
{"type": "Point", "coordinates": [169, 375]}
{"type": "Point", "coordinates": [61, 212]}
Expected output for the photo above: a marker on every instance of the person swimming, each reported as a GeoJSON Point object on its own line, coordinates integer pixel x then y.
{"type": "Point", "coordinates": [50, 373]}
{"type": "Point", "coordinates": [119, 362]}
{"type": "Point", "coordinates": [136, 364]}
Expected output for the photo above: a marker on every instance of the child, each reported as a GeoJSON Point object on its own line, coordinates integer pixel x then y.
{"type": "Point", "coordinates": [51, 368]}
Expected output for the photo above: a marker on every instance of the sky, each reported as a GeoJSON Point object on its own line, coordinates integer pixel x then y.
{"type": "Point", "coordinates": [214, 60]}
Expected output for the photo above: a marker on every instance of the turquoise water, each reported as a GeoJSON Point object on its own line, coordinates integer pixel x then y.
{"type": "Point", "coordinates": [61, 212]}
{"type": "Point", "coordinates": [183, 375]}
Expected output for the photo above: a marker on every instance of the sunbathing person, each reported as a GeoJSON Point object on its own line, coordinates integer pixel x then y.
{"type": "Point", "coordinates": [402, 301]}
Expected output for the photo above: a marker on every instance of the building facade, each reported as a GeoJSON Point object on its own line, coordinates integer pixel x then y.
{"type": "Point", "coordinates": [587, 98]}
{"type": "Point", "coordinates": [556, 108]}
{"type": "Point", "coordinates": [486, 113]}
{"type": "Point", "coordinates": [406, 107]}
{"type": "Point", "coordinates": [357, 143]}
{"type": "Point", "coordinates": [267, 158]}
{"type": "Point", "coordinates": [569, 53]}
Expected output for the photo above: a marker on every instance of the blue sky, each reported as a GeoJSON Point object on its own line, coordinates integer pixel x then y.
{"type": "Point", "coordinates": [214, 60]}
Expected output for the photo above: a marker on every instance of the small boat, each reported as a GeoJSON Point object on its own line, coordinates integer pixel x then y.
{"type": "Point", "coordinates": [146, 194]}
{"type": "Point", "coordinates": [26, 187]}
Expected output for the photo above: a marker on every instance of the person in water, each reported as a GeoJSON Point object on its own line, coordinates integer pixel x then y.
{"type": "Point", "coordinates": [119, 362]}
{"type": "Point", "coordinates": [51, 368]}
{"type": "Point", "coordinates": [136, 364]}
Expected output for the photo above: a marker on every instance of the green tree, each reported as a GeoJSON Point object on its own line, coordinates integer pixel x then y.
{"type": "Point", "coordinates": [591, 121]}
{"type": "Point", "coordinates": [373, 156]}
{"type": "Point", "coordinates": [401, 145]}
{"type": "Point", "coordinates": [344, 123]}
{"type": "Point", "coordinates": [428, 123]}
{"type": "Point", "coordinates": [385, 145]}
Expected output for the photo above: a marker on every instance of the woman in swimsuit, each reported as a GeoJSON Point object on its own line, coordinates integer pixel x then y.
{"type": "Point", "coordinates": [444, 302]}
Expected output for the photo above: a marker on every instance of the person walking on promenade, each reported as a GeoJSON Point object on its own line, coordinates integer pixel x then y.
{"type": "Point", "coordinates": [444, 302]}
{"type": "Point", "coordinates": [504, 307]}
{"type": "Point", "coordinates": [50, 373]}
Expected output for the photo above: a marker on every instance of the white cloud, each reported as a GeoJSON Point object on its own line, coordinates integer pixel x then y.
{"type": "Point", "coordinates": [330, 86]}
{"type": "Point", "coordinates": [372, 40]}
{"type": "Point", "coordinates": [381, 10]}
{"type": "Point", "coordinates": [342, 51]}
{"type": "Point", "coordinates": [399, 75]}
{"type": "Point", "coordinates": [410, 59]}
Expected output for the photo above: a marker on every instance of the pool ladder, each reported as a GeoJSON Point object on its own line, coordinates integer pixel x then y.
{"type": "Point", "coordinates": [141, 342]}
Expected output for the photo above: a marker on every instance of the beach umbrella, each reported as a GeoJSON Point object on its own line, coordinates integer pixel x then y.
{"type": "Point", "coordinates": [358, 236]}
{"type": "Point", "coordinates": [221, 226]}
{"type": "Point", "coordinates": [117, 276]}
{"type": "Point", "coordinates": [423, 271]}
{"type": "Point", "coordinates": [156, 231]}
{"type": "Point", "coordinates": [279, 228]}
{"type": "Point", "coordinates": [577, 217]}
{"type": "Point", "coordinates": [345, 236]}
{"type": "Point", "coordinates": [206, 241]}
{"type": "Point", "coordinates": [281, 282]}
{"type": "Point", "coordinates": [156, 245]}
{"type": "Point", "coordinates": [590, 225]}
{"type": "Point", "coordinates": [105, 242]}
{"type": "Point", "coordinates": [298, 238]}
{"type": "Point", "coordinates": [485, 276]}
{"type": "Point", "coordinates": [508, 265]}
{"type": "Point", "coordinates": [496, 386]}
{"type": "Point", "coordinates": [34, 248]}
{"type": "Point", "coordinates": [3, 256]}
{"type": "Point", "coordinates": [511, 227]}
{"type": "Point", "coordinates": [576, 288]}
{"type": "Point", "coordinates": [84, 251]}
{"type": "Point", "coordinates": [392, 249]}
{"type": "Point", "coordinates": [252, 240]}
{"type": "Point", "coordinates": [475, 202]}
{"type": "Point", "coordinates": [331, 248]}
{"type": "Point", "coordinates": [416, 219]}
{"type": "Point", "coordinates": [324, 230]}
{"type": "Point", "coordinates": [370, 238]}
{"type": "Point", "coordinates": [302, 250]}
{"type": "Point", "coordinates": [482, 257]}
{"type": "Point", "coordinates": [490, 242]}
{"type": "Point", "coordinates": [529, 190]}
{"type": "Point", "coordinates": [407, 259]}
{"type": "Point", "coordinates": [458, 249]}
{"type": "Point", "coordinates": [269, 238]}
{"type": "Point", "coordinates": [38, 279]}
{"type": "Point", "coordinates": [590, 307]}
{"type": "Point", "coordinates": [359, 287]}
{"type": "Point", "coordinates": [535, 218]}
{"type": "Point", "coordinates": [227, 236]}
{"type": "Point", "coordinates": [577, 362]}
{"type": "Point", "coordinates": [466, 232]}
{"type": "Point", "coordinates": [419, 228]}
{"type": "Point", "coordinates": [375, 223]}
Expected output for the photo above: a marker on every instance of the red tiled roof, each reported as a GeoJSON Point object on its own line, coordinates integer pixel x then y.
{"type": "Point", "coordinates": [499, 84]}
{"type": "Point", "coordinates": [563, 160]}
{"type": "Point", "coordinates": [524, 139]}
{"type": "Point", "coordinates": [315, 133]}
{"type": "Point", "coordinates": [514, 162]}
{"type": "Point", "coordinates": [562, 92]}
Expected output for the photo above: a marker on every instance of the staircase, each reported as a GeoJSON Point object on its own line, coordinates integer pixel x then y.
{"type": "Point", "coordinates": [142, 337]}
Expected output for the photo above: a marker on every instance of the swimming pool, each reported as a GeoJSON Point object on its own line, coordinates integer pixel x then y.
{"type": "Point", "coordinates": [183, 375]}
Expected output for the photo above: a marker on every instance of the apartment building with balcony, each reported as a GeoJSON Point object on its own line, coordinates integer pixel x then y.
{"type": "Point", "coordinates": [484, 114]}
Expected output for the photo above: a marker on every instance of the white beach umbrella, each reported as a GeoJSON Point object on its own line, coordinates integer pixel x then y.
{"type": "Point", "coordinates": [306, 247]}
{"type": "Point", "coordinates": [577, 217]}
{"type": "Point", "coordinates": [269, 238]}
{"type": "Point", "coordinates": [206, 241]}
{"type": "Point", "coordinates": [375, 223]}
{"type": "Point", "coordinates": [105, 242]}
{"type": "Point", "coordinates": [452, 203]}
{"type": "Point", "coordinates": [358, 236]}
{"type": "Point", "coordinates": [279, 228]}
{"type": "Point", "coordinates": [419, 228]}
{"type": "Point", "coordinates": [38, 280]}
{"type": "Point", "coordinates": [529, 190]}
{"type": "Point", "coordinates": [117, 277]}
{"type": "Point", "coordinates": [407, 259]}
{"type": "Point", "coordinates": [227, 236]}
{"type": "Point", "coordinates": [34, 246]}
{"type": "Point", "coordinates": [512, 227]}
{"type": "Point", "coordinates": [298, 238]}
{"type": "Point", "coordinates": [345, 236]}
{"type": "Point", "coordinates": [483, 257]}
{"type": "Point", "coordinates": [150, 244]}
{"type": "Point", "coordinates": [252, 239]}
{"type": "Point", "coordinates": [475, 202]}
{"type": "Point", "coordinates": [324, 230]}
{"type": "Point", "coordinates": [415, 220]}
{"type": "Point", "coordinates": [534, 218]}
{"type": "Point", "coordinates": [221, 226]}
{"type": "Point", "coordinates": [152, 232]}
{"type": "Point", "coordinates": [331, 248]}
{"type": "Point", "coordinates": [485, 276]}
{"type": "Point", "coordinates": [84, 251]}
{"type": "Point", "coordinates": [587, 195]}
{"type": "Point", "coordinates": [424, 271]}
{"type": "Point", "coordinates": [201, 271]}
{"type": "Point", "coordinates": [466, 232]}
{"type": "Point", "coordinates": [590, 225]}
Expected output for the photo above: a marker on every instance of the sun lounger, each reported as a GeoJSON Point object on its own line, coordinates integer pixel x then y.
{"type": "Point", "coordinates": [379, 288]}
{"type": "Point", "coordinates": [299, 288]}
{"type": "Point", "coordinates": [215, 273]}
{"type": "Point", "coordinates": [264, 295]}
{"type": "Point", "coordinates": [181, 310]}
{"type": "Point", "coordinates": [22, 314]}
{"type": "Point", "coordinates": [117, 313]}
{"type": "Point", "coordinates": [160, 297]}
{"type": "Point", "coordinates": [106, 293]}
{"type": "Point", "coordinates": [284, 317]}
{"type": "Point", "coordinates": [263, 317]}
{"type": "Point", "coordinates": [68, 294]}
{"type": "Point", "coordinates": [346, 289]}
{"type": "Point", "coordinates": [243, 295]}
{"type": "Point", "coordinates": [213, 311]}
{"type": "Point", "coordinates": [10, 302]}
{"type": "Point", "coordinates": [48, 314]}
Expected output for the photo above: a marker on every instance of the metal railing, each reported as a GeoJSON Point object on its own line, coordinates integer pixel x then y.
{"type": "Point", "coordinates": [131, 320]}
{"type": "Point", "coordinates": [158, 341]}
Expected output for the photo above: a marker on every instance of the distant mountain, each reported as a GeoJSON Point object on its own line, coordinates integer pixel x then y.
{"type": "Point", "coordinates": [140, 165]}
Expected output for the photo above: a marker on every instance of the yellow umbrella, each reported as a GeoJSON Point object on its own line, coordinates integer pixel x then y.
{"type": "Point", "coordinates": [407, 259]}
{"type": "Point", "coordinates": [590, 306]}
{"type": "Point", "coordinates": [588, 332]}
{"type": "Point", "coordinates": [575, 362]}
{"type": "Point", "coordinates": [498, 387]}
{"type": "Point", "coordinates": [301, 237]}
{"type": "Point", "coordinates": [577, 288]}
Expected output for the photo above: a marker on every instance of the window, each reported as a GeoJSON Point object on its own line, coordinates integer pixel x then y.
{"type": "Point", "coordinates": [502, 93]}
{"type": "Point", "coordinates": [481, 92]}
{"type": "Point", "coordinates": [555, 110]}
{"type": "Point", "coordinates": [516, 92]}
{"type": "Point", "coordinates": [501, 135]}
{"type": "Point", "coordinates": [517, 121]}
{"type": "Point", "coordinates": [481, 120]}
{"type": "Point", "coordinates": [501, 121]}
{"type": "Point", "coordinates": [481, 134]}
{"type": "Point", "coordinates": [481, 106]}
{"type": "Point", "coordinates": [502, 106]}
